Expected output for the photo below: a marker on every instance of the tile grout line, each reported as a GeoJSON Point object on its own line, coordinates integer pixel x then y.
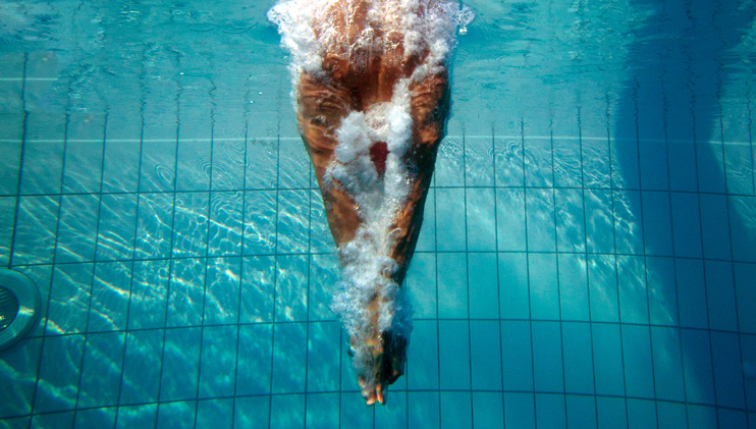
{"type": "Point", "coordinates": [24, 132]}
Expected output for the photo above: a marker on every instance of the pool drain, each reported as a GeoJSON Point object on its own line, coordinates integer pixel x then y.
{"type": "Point", "coordinates": [19, 306]}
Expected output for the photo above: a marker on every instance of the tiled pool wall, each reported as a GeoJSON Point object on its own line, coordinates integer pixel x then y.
{"type": "Point", "coordinates": [584, 266]}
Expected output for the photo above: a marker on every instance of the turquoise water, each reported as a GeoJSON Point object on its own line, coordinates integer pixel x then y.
{"type": "Point", "coordinates": [588, 257]}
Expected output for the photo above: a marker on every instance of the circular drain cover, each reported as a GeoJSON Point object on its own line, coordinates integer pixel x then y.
{"type": "Point", "coordinates": [8, 307]}
{"type": "Point", "coordinates": [19, 306]}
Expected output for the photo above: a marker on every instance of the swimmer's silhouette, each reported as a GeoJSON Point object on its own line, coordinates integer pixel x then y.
{"type": "Point", "coordinates": [372, 95]}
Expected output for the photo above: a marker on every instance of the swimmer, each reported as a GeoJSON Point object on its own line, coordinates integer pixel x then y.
{"type": "Point", "coordinates": [372, 97]}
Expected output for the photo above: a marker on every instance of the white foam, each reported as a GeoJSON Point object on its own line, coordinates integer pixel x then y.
{"type": "Point", "coordinates": [427, 26]}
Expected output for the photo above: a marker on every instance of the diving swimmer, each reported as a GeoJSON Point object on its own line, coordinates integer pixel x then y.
{"type": "Point", "coordinates": [372, 97]}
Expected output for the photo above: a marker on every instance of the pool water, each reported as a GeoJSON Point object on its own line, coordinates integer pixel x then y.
{"type": "Point", "coordinates": [588, 257]}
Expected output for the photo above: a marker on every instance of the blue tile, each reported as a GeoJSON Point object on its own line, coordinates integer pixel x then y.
{"type": "Point", "coordinates": [353, 413]}
{"type": "Point", "coordinates": [607, 360]}
{"type": "Point", "coordinates": [573, 287]}
{"type": "Point", "coordinates": [720, 296]}
{"type": "Point", "coordinates": [84, 153]}
{"type": "Point", "coordinates": [226, 223]}
{"type": "Point", "coordinates": [454, 354]}
{"type": "Point", "coordinates": [149, 293]}
{"type": "Point", "coordinates": [324, 275]}
{"type": "Point", "coordinates": [452, 285]}
{"type": "Point", "coordinates": [683, 171]}
{"type": "Point", "coordinates": [179, 379]}
{"type": "Point", "coordinates": [77, 229]}
{"type": "Point", "coordinates": [739, 168]}
{"type": "Point", "coordinates": [716, 235]}
{"type": "Point", "coordinates": [222, 291]}
{"type": "Point", "coordinates": [321, 240]}
{"type": "Point", "coordinates": [510, 219]}
{"type": "Point", "coordinates": [217, 413]}
{"type": "Point", "coordinates": [136, 416]}
{"type": "Point", "coordinates": [229, 151]}
{"type": "Point", "coordinates": [488, 409]}
{"type": "Point", "coordinates": [625, 164]}
{"type": "Point", "coordinates": [101, 370]}
{"type": "Point", "coordinates": [671, 415]}
{"type": "Point", "coordinates": [519, 410]}
{"type": "Point", "coordinates": [110, 296]}
{"type": "Point", "coordinates": [456, 410]}
{"type": "Point", "coordinates": [548, 367]}
{"type": "Point", "coordinates": [154, 226]}
{"type": "Point", "coordinates": [185, 292]}
{"type": "Point", "coordinates": [479, 160]}
{"type": "Point", "coordinates": [663, 301]}
{"type": "Point", "coordinates": [218, 361]}
{"type": "Point", "coordinates": [657, 223]}
{"type": "Point", "coordinates": [97, 417]}
{"type": "Point", "coordinates": [291, 288]}
{"type": "Point", "coordinates": [41, 275]}
{"type": "Point", "coordinates": [42, 168]}
{"type": "Point", "coordinates": [323, 411]}
{"type": "Point", "coordinates": [541, 223]}
{"type": "Point", "coordinates": [158, 165]}
{"type": "Point", "coordinates": [743, 237]}
{"type": "Point", "coordinates": [611, 412]}
{"type": "Point", "coordinates": [260, 223]}
{"type": "Point", "coordinates": [69, 299]}
{"type": "Point", "coordinates": [732, 418]}
{"type": "Point", "coordinates": [450, 216]}
{"type": "Point", "coordinates": [602, 283]}
{"type": "Point", "coordinates": [748, 350]}
{"type": "Point", "coordinates": [287, 411]}
{"type": "Point", "coordinates": [551, 410]}
{"type": "Point", "coordinates": [509, 162]}
{"type": "Point", "coordinates": [121, 164]}
{"type": "Point", "coordinates": [686, 225]}
{"type": "Point", "coordinates": [59, 368]}
{"type": "Point", "coordinates": [118, 218]}
{"type": "Point", "coordinates": [482, 285]}
{"type": "Point", "coordinates": [538, 162]}
{"type": "Point", "coordinates": [692, 293]}
{"type": "Point", "coordinates": [699, 377]}
{"type": "Point", "coordinates": [258, 273]}
{"type": "Point", "coordinates": [702, 417]}
{"type": "Point", "coordinates": [423, 412]}
{"type": "Point", "coordinates": [7, 218]}
{"type": "Point", "coordinates": [262, 164]}
{"type": "Point", "coordinates": [190, 224]}
{"type": "Point", "coordinates": [394, 413]}
{"type": "Point", "coordinates": [628, 229]}
{"type": "Point", "coordinates": [449, 167]}
{"type": "Point", "coordinates": [289, 356]}
{"type": "Point", "coordinates": [255, 348]}
{"type": "Point", "coordinates": [728, 370]}
{"type": "Point", "coordinates": [176, 414]}
{"type": "Point", "coordinates": [578, 358]}
{"type": "Point", "coordinates": [653, 165]}
{"type": "Point", "coordinates": [10, 164]}
{"type": "Point", "coordinates": [19, 375]}
{"type": "Point", "coordinates": [193, 161]}
{"type": "Point", "coordinates": [252, 412]}
{"type": "Point", "coordinates": [638, 362]}
{"type": "Point", "coordinates": [517, 360]}
{"type": "Point", "coordinates": [36, 227]}
{"type": "Point", "coordinates": [292, 221]}
{"type": "Point", "coordinates": [570, 220]}
{"type": "Point", "coordinates": [544, 286]}
{"type": "Point", "coordinates": [568, 172]}
{"type": "Point", "coordinates": [667, 360]}
{"type": "Point", "coordinates": [422, 356]}
{"type": "Point", "coordinates": [53, 420]}
{"type": "Point", "coordinates": [140, 378]}
{"type": "Point", "coordinates": [485, 351]}
{"type": "Point", "coordinates": [513, 286]}
{"type": "Point", "coordinates": [633, 296]}
{"type": "Point", "coordinates": [323, 357]}
{"type": "Point", "coordinates": [581, 412]}
{"type": "Point", "coordinates": [641, 414]}
{"type": "Point", "coordinates": [596, 163]}
{"type": "Point", "coordinates": [710, 163]}
{"type": "Point", "coordinates": [481, 219]}
{"type": "Point", "coordinates": [745, 278]}
{"type": "Point", "coordinates": [600, 232]}
{"type": "Point", "coordinates": [293, 165]}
